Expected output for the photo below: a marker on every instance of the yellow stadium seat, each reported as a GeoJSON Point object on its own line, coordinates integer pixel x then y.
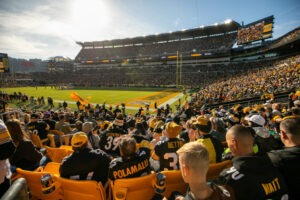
{"type": "Point", "coordinates": [57, 154]}
{"type": "Point", "coordinates": [52, 168]}
{"type": "Point", "coordinates": [215, 169]}
{"type": "Point", "coordinates": [40, 143]}
{"type": "Point", "coordinates": [33, 180]}
{"type": "Point", "coordinates": [83, 190]}
{"type": "Point", "coordinates": [133, 188]}
{"type": "Point", "coordinates": [174, 182]}
{"type": "Point", "coordinates": [66, 147]}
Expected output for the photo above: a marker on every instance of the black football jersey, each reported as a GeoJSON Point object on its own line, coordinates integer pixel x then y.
{"type": "Point", "coordinates": [166, 151]}
{"type": "Point", "coordinates": [40, 128]}
{"type": "Point", "coordinates": [109, 141]}
{"type": "Point", "coordinates": [136, 166]}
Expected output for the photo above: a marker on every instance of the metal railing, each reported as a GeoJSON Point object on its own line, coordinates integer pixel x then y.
{"type": "Point", "coordinates": [17, 191]}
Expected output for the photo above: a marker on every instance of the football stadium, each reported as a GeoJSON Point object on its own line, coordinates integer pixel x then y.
{"type": "Point", "coordinates": [205, 112]}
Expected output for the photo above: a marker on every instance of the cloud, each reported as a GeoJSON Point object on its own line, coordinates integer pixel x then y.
{"type": "Point", "coordinates": [51, 29]}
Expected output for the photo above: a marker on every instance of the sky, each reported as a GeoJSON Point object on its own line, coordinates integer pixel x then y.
{"type": "Point", "coordinates": [46, 28]}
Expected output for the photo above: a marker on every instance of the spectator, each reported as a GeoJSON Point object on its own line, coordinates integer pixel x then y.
{"type": "Point", "coordinates": [93, 140]}
{"type": "Point", "coordinates": [194, 164]}
{"type": "Point", "coordinates": [131, 164]}
{"type": "Point", "coordinates": [249, 170]}
{"type": "Point", "coordinates": [165, 151]}
{"type": "Point", "coordinates": [35, 126]}
{"type": "Point", "coordinates": [218, 129]}
{"type": "Point", "coordinates": [287, 160]}
{"type": "Point", "coordinates": [49, 121]}
{"type": "Point", "coordinates": [7, 148]}
{"type": "Point", "coordinates": [85, 163]}
{"type": "Point", "coordinates": [213, 145]}
{"type": "Point", "coordinates": [26, 156]}
{"type": "Point", "coordinates": [61, 125]}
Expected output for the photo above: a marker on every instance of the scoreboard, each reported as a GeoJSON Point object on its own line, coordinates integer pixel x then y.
{"type": "Point", "coordinates": [4, 66]}
{"type": "Point", "coordinates": [259, 30]}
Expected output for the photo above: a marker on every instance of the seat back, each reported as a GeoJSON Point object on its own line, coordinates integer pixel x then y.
{"type": "Point", "coordinates": [174, 182]}
{"type": "Point", "coordinates": [57, 154]}
{"type": "Point", "coordinates": [133, 188]}
{"type": "Point", "coordinates": [52, 168]}
{"type": "Point", "coordinates": [36, 140]}
{"type": "Point", "coordinates": [33, 180]}
{"type": "Point", "coordinates": [85, 190]}
{"type": "Point", "coordinates": [215, 169]}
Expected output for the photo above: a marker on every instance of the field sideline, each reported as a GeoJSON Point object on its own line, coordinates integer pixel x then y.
{"type": "Point", "coordinates": [112, 96]}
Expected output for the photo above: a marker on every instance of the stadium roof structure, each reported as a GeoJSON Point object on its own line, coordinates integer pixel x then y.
{"type": "Point", "coordinates": [225, 27]}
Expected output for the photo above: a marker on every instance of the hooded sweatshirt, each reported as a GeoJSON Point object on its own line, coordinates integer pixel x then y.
{"type": "Point", "coordinates": [254, 177]}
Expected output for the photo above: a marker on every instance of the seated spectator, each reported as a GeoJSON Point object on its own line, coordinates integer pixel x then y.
{"type": "Point", "coordinates": [85, 163]}
{"type": "Point", "coordinates": [194, 164]}
{"type": "Point", "coordinates": [165, 151]}
{"type": "Point", "coordinates": [287, 160]}
{"type": "Point", "coordinates": [49, 121]}
{"type": "Point", "coordinates": [93, 140]}
{"type": "Point", "coordinates": [263, 138]}
{"type": "Point", "coordinates": [26, 156]}
{"type": "Point", "coordinates": [252, 176]}
{"type": "Point", "coordinates": [35, 126]}
{"type": "Point", "coordinates": [7, 149]}
{"type": "Point", "coordinates": [202, 134]}
{"type": "Point", "coordinates": [218, 129]}
{"type": "Point", "coordinates": [61, 125]}
{"type": "Point", "coordinates": [109, 139]}
{"type": "Point", "coordinates": [131, 163]}
{"type": "Point", "coordinates": [78, 127]}
{"type": "Point", "coordinates": [188, 128]}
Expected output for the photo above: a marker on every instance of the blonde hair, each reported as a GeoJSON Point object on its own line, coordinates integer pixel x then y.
{"type": "Point", "coordinates": [195, 156]}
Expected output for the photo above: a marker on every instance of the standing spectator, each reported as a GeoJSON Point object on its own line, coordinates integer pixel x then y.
{"type": "Point", "coordinates": [65, 105]}
{"type": "Point", "coordinates": [49, 121]}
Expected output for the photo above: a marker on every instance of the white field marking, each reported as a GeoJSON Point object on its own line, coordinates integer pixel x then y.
{"type": "Point", "coordinates": [170, 101]}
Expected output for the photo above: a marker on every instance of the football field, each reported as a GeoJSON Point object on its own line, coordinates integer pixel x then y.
{"type": "Point", "coordinates": [134, 98]}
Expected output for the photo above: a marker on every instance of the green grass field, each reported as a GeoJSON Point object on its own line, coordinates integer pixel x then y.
{"type": "Point", "coordinates": [113, 96]}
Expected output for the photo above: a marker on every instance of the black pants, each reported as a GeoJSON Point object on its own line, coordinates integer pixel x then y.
{"type": "Point", "coordinates": [4, 186]}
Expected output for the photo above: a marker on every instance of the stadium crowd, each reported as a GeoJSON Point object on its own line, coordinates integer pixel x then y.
{"type": "Point", "coordinates": [263, 144]}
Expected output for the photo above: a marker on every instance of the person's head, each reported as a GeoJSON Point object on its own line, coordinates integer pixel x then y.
{"type": "Point", "coordinates": [140, 128]}
{"type": "Point", "coordinates": [78, 125]}
{"type": "Point", "coordinates": [127, 146]}
{"type": "Point", "coordinates": [218, 124]}
{"type": "Point", "coordinates": [47, 116]}
{"type": "Point", "coordinates": [203, 125]}
{"type": "Point", "coordinates": [256, 121]}
{"type": "Point", "coordinates": [15, 130]}
{"type": "Point", "coordinates": [34, 117]}
{"type": "Point", "coordinates": [172, 129]}
{"type": "Point", "coordinates": [290, 131]}
{"type": "Point", "coordinates": [240, 140]}
{"type": "Point", "coordinates": [87, 127]}
{"type": "Point", "coordinates": [61, 118]}
{"type": "Point", "coordinates": [79, 141]}
{"type": "Point", "coordinates": [119, 120]}
{"type": "Point", "coordinates": [194, 162]}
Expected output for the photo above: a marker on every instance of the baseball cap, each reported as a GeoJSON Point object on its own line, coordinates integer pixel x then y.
{"type": "Point", "coordinates": [47, 115]}
{"type": "Point", "coordinates": [257, 119]}
{"type": "Point", "coordinates": [173, 129]}
{"type": "Point", "coordinates": [79, 139]}
{"type": "Point", "coordinates": [34, 116]}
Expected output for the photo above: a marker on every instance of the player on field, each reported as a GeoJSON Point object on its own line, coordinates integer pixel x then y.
{"type": "Point", "coordinates": [165, 151]}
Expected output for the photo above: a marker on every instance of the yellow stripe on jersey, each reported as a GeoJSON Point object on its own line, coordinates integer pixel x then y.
{"type": "Point", "coordinates": [210, 148]}
{"type": "Point", "coordinates": [4, 136]}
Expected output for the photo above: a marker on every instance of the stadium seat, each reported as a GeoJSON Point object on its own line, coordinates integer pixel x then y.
{"type": "Point", "coordinates": [65, 139]}
{"type": "Point", "coordinates": [40, 143]}
{"type": "Point", "coordinates": [174, 182]}
{"type": "Point", "coordinates": [33, 180]}
{"type": "Point", "coordinates": [57, 154]}
{"type": "Point", "coordinates": [52, 168]}
{"type": "Point", "coordinates": [215, 169]}
{"type": "Point", "coordinates": [66, 147]}
{"type": "Point", "coordinates": [133, 188]}
{"type": "Point", "coordinates": [83, 190]}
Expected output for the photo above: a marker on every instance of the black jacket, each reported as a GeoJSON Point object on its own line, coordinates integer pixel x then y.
{"type": "Point", "coordinates": [86, 164]}
{"type": "Point", "coordinates": [287, 160]}
{"type": "Point", "coordinates": [254, 177]}
{"type": "Point", "coordinates": [138, 165]}
{"type": "Point", "coordinates": [26, 156]}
